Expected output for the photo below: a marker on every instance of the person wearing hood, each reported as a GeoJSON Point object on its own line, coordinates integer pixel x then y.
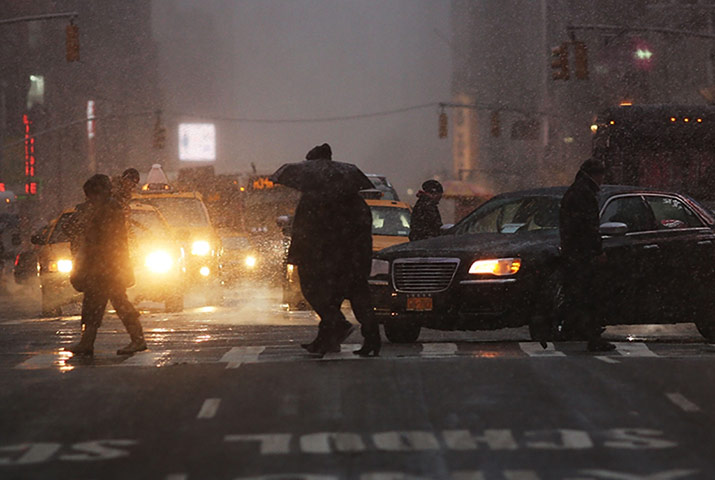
{"type": "Point", "coordinates": [581, 250]}
{"type": "Point", "coordinates": [331, 244]}
{"type": "Point", "coordinates": [426, 221]}
{"type": "Point", "coordinates": [103, 270]}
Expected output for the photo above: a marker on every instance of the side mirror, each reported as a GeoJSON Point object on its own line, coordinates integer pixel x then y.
{"type": "Point", "coordinates": [37, 239]}
{"type": "Point", "coordinates": [613, 229]}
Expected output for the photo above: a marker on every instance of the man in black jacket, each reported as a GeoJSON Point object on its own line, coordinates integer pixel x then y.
{"type": "Point", "coordinates": [426, 221]}
{"type": "Point", "coordinates": [581, 251]}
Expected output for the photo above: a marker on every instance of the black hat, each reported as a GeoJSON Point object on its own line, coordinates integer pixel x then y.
{"type": "Point", "coordinates": [98, 183]}
{"type": "Point", "coordinates": [321, 151]}
{"type": "Point", "coordinates": [593, 167]}
{"type": "Point", "coordinates": [132, 174]}
{"type": "Point", "coordinates": [432, 186]}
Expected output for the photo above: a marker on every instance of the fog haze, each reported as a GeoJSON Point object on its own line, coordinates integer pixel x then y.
{"type": "Point", "coordinates": [312, 59]}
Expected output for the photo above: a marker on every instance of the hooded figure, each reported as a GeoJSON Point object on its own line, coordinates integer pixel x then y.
{"type": "Point", "coordinates": [426, 221]}
{"type": "Point", "coordinates": [580, 248]}
{"type": "Point", "coordinates": [331, 243]}
{"type": "Point", "coordinates": [103, 270]}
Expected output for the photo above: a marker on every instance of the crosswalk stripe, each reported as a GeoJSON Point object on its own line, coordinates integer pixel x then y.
{"type": "Point", "coordinates": [634, 349]}
{"type": "Point", "coordinates": [534, 349]}
{"type": "Point", "coordinates": [146, 359]}
{"type": "Point", "coordinates": [436, 350]}
{"type": "Point", "coordinates": [239, 355]}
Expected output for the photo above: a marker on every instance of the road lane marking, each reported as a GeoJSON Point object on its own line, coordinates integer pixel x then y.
{"type": "Point", "coordinates": [634, 349]}
{"type": "Point", "coordinates": [437, 350]}
{"type": "Point", "coordinates": [239, 355]}
{"type": "Point", "coordinates": [680, 400]}
{"type": "Point", "coordinates": [177, 476]}
{"type": "Point", "coordinates": [209, 408]}
{"type": "Point", "coordinates": [606, 359]}
{"type": "Point", "coordinates": [534, 349]}
{"type": "Point", "coordinates": [44, 360]}
{"type": "Point", "coordinates": [146, 359]}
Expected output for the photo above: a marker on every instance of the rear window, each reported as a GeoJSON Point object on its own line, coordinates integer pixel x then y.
{"type": "Point", "coordinates": [390, 221]}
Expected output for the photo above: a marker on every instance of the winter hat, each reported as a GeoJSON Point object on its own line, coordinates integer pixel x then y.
{"type": "Point", "coordinates": [432, 186]}
{"type": "Point", "coordinates": [98, 183]}
{"type": "Point", "coordinates": [321, 151]}
{"type": "Point", "coordinates": [593, 167]}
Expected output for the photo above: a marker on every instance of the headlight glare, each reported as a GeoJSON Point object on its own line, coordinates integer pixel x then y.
{"type": "Point", "coordinates": [379, 267]}
{"type": "Point", "coordinates": [64, 266]}
{"type": "Point", "coordinates": [200, 247]}
{"type": "Point", "coordinates": [158, 261]}
{"type": "Point", "coordinates": [497, 266]}
{"type": "Point", "coordinates": [250, 261]}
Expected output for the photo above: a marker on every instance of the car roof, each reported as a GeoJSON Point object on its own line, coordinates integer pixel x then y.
{"type": "Point", "coordinates": [386, 203]}
{"type": "Point", "coordinates": [148, 194]}
{"type": "Point", "coordinates": [605, 191]}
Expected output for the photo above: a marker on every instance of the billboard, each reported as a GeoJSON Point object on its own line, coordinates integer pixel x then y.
{"type": "Point", "coordinates": [197, 142]}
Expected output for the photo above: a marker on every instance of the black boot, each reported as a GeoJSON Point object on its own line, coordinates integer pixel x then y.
{"type": "Point", "coordinates": [372, 343]}
{"type": "Point", "coordinates": [334, 337]}
{"type": "Point", "coordinates": [136, 334]}
{"type": "Point", "coordinates": [86, 343]}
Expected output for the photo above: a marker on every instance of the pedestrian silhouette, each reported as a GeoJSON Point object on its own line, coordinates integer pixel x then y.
{"type": "Point", "coordinates": [331, 244]}
{"type": "Point", "coordinates": [426, 221]}
{"type": "Point", "coordinates": [102, 269]}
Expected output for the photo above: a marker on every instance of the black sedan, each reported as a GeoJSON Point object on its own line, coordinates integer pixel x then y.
{"type": "Point", "coordinates": [500, 266]}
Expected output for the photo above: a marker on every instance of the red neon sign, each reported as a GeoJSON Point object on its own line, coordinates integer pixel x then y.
{"type": "Point", "coordinates": [30, 184]}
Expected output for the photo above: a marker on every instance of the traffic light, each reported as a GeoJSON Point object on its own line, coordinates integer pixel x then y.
{"type": "Point", "coordinates": [442, 125]}
{"type": "Point", "coordinates": [560, 62]}
{"type": "Point", "coordinates": [495, 124]}
{"type": "Point", "coordinates": [72, 43]}
{"type": "Point", "coordinates": [581, 60]}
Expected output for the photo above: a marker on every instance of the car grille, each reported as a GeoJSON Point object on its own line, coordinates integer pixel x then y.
{"type": "Point", "coordinates": [423, 274]}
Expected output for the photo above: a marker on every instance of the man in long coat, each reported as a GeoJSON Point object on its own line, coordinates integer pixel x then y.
{"type": "Point", "coordinates": [103, 270]}
{"type": "Point", "coordinates": [331, 243]}
{"type": "Point", "coordinates": [581, 250]}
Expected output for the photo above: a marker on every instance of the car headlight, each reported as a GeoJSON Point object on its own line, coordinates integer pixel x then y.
{"type": "Point", "coordinates": [497, 266]}
{"type": "Point", "coordinates": [64, 265]}
{"type": "Point", "coordinates": [250, 261]}
{"type": "Point", "coordinates": [379, 267]}
{"type": "Point", "coordinates": [159, 261]}
{"type": "Point", "coordinates": [200, 247]}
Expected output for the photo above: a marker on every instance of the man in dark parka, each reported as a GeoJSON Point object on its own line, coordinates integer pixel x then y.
{"type": "Point", "coordinates": [103, 270]}
{"type": "Point", "coordinates": [331, 243]}
{"type": "Point", "coordinates": [426, 221]}
{"type": "Point", "coordinates": [581, 250]}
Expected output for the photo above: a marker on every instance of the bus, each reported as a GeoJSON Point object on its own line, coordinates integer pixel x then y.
{"type": "Point", "coordinates": [669, 147]}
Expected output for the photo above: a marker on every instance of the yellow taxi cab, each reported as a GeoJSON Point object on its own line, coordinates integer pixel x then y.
{"type": "Point", "coordinates": [390, 226]}
{"type": "Point", "coordinates": [188, 219]}
{"type": "Point", "coordinates": [157, 259]}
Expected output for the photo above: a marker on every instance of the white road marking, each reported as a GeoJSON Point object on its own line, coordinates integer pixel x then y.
{"type": "Point", "coordinates": [209, 408]}
{"type": "Point", "coordinates": [329, 442]}
{"type": "Point", "coordinates": [634, 349]}
{"type": "Point", "coordinates": [680, 400]}
{"type": "Point", "coordinates": [436, 350]}
{"type": "Point", "coordinates": [665, 475]}
{"type": "Point", "coordinates": [239, 355]}
{"type": "Point", "coordinates": [145, 359]}
{"type": "Point", "coordinates": [177, 476]}
{"type": "Point", "coordinates": [44, 360]}
{"type": "Point", "coordinates": [270, 444]}
{"type": "Point", "coordinates": [534, 349]}
{"type": "Point", "coordinates": [606, 359]}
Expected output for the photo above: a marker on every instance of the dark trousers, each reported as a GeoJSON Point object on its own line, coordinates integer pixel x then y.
{"type": "Point", "coordinates": [326, 290]}
{"type": "Point", "coordinates": [583, 314]}
{"type": "Point", "coordinates": [95, 301]}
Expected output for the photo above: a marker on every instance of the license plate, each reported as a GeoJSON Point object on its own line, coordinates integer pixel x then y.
{"type": "Point", "coordinates": [419, 304]}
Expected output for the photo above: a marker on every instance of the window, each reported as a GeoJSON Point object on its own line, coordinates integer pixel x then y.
{"type": "Point", "coordinates": [512, 215]}
{"type": "Point", "coordinates": [632, 211]}
{"type": "Point", "coordinates": [671, 213]}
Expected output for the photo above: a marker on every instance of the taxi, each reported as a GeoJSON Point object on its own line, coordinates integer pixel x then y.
{"type": "Point", "coordinates": [390, 226]}
{"type": "Point", "coordinates": [189, 221]}
{"type": "Point", "coordinates": [157, 259]}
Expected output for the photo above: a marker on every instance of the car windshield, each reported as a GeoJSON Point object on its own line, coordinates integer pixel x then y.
{"type": "Point", "coordinates": [390, 221]}
{"type": "Point", "coordinates": [147, 222]}
{"type": "Point", "coordinates": [181, 212]}
{"type": "Point", "coordinates": [58, 234]}
{"type": "Point", "coordinates": [235, 243]}
{"type": "Point", "coordinates": [512, 215]}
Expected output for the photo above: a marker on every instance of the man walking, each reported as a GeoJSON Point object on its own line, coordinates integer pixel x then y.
{"type": "Point", "coordinates": [102, 268]}
{"type": "Point", "coordinates": [426, 221]}
{"type": "Point", "coordinates": [581, 251]}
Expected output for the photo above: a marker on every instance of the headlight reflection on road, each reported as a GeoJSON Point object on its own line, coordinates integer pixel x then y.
{"type": "Point", "coordinates": [158, 262]}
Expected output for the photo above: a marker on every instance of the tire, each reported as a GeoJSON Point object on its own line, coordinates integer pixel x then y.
{"type": "Point", "coordinates": [174, 303]}
{"type": "Point", "coordinates": [402, 332]}
{"type": "Point", "coordinates": [705, 316]}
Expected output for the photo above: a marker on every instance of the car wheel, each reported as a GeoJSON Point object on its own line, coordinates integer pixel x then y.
{"type": "Point", "coordinates": [174, 303]}
{"type": "Point", "coordinates": [49, 306]}
{"type": "Point", "coordinates": [402, 332]}
{"type": "Point", "coordinates": [705, 318]}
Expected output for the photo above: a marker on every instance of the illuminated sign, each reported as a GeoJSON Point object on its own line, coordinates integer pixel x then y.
{"type": "Point", "coordinates": [197, 142]}
{"type": "Point", "coordinates": [30, 184]}
{"type": "Point", "coordinates": [90, 119]}
{"type": "Point", "coordinates": [262, 183]}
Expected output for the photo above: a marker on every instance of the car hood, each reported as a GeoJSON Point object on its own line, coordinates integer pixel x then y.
{"type": "Point", "coordinates": [475, 244]}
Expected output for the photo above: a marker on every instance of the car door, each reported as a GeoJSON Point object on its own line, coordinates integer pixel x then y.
{"type": "Point", "coordinates": [628, 282]}
{"type": "Point", "coordinates": [686, 247]}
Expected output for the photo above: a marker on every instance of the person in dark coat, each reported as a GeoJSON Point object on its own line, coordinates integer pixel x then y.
{"type": "Point", "coordinates": [124, 185]}
{"type": "Point", "coordinates": [331, 244]}
{"type": "Point", "coordinates": [102, 268]}
{"type": "Point", "coordinates": [581, 251]}
{"type": "Point", "coordinates": [426, 221]}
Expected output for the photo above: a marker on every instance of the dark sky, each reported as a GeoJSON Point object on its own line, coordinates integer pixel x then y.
{"type": "Point", "coordinates": [288, 59]}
